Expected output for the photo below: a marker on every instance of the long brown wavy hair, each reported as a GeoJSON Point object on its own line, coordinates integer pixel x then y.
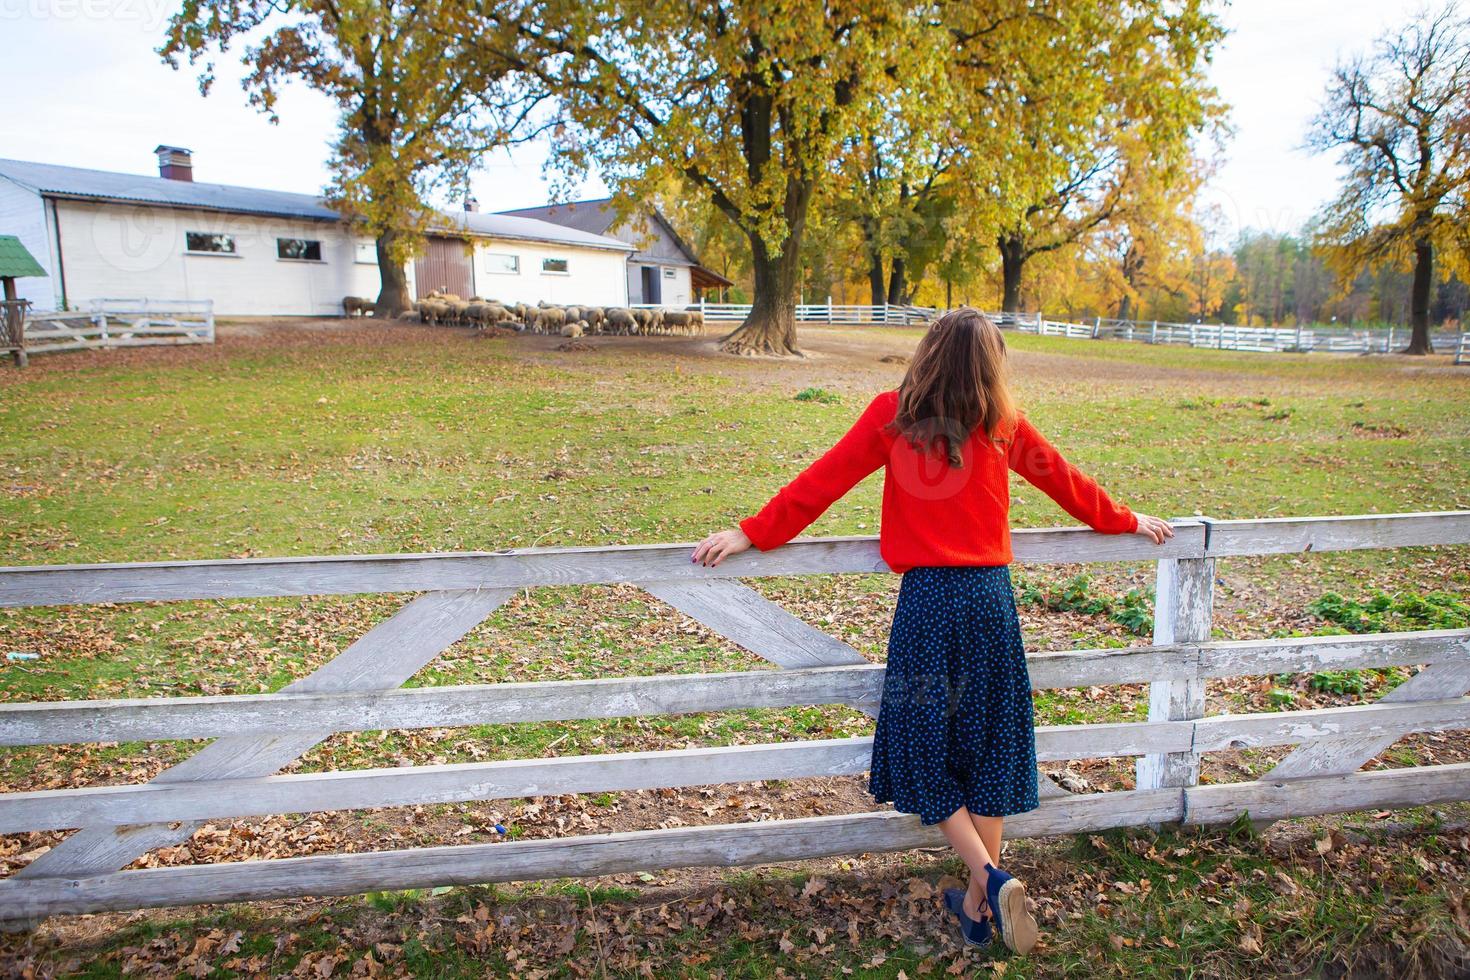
{"type": "Point", "coordinates": [956, 384]}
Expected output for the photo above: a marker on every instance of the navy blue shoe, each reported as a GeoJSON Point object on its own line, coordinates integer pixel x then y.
{"type": "Point", "coordinates": [975, 932]}
{"type": "Point", "coordinates": [1007, 898]}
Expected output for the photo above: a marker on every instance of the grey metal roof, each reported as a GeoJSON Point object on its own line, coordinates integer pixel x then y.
{"type": "Point", "coordinates": [598, 217]}
{"type": "Point", "coordinates": [595, 216]}
{"type": "Point", "coordinates": [57, 181]}
{"type": "Point", "coordinates": [77, 182]}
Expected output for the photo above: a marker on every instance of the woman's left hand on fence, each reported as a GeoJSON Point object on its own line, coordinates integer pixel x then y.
{"type": "Point", "coordinates": [1156, 530]}
{"type": "Point", "coordinates": [719, 546]}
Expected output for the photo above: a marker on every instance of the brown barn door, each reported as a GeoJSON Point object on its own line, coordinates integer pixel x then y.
{"type": "Point", "coordinates": [445, 266]}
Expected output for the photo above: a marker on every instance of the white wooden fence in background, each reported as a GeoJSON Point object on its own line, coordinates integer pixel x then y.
{"type": "Point", "coordinates": [1228, 337]}
{"type": "Point", "coordinates": [257, 735]}
{"type": "Point", "coordinates": [1218, 336]}
{"type": "Point", "coordinates": [121, 323]}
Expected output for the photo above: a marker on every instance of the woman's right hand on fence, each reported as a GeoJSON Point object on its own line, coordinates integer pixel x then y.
{"type": "Point", "coordinates": [719, 546]}
{"type": "Point", "coordinates": [1156, 530]}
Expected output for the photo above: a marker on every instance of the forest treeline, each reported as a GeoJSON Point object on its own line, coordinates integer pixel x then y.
{"type": "Point", "coordinates": [1265, 279]}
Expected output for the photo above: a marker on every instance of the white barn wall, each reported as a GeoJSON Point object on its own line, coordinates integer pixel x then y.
{"type": "Point", "coordinates": [23, 214]}
{"type": "Point", "coordinates": [595, 276]}
{"type": "Point", "coordinates": [676, 291]}
{"type": "Point", "coordinates": [137, 251]}
{"type": "Point", "coordinates": [118, 251]}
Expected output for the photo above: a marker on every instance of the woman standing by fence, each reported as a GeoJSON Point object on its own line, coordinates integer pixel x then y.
{"type": "Point", "coordinates": [955, 739]}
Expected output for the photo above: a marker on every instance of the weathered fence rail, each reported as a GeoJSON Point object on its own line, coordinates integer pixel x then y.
{"type": "Point", "coordinates": [237, 775]}
{"type": "Point", "coordinates": [121, 323]}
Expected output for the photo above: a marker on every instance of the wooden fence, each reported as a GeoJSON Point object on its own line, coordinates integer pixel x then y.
{"type": "Point", "coordinates": [13, 313]}
{"type": "Point", "coordinates": [121, 323]}
{"type": "Point", "coordinates": [1219, 336]}
{"type": "Point", "coordinates": [1222, 336]}
{"type": "Point", "coordinates": [361, 689]}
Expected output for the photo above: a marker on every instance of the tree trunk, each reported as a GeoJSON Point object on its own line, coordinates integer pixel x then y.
{"type": "Point", "coordinates": [1132, 266]}
{"type": "Point", "coordinates": [771, 326]}
{"type": "Point", "coordinates": [898, 283]}
{"type": "Point", "coordinates": [393, 297]}
{"type": "Point", "coordinates": [874, 255]}
{"type": "Point", "coordinates": [1419, 342]}
{"type": "Point", "coordinates": [875, 277]}
{"type": "Point", "coordinates": [1012, 261]}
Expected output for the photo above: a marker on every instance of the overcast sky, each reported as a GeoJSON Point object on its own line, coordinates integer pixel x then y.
{"type": "Point", "coordinates": [85, 89]}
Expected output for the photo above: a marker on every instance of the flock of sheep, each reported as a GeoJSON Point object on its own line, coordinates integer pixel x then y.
{"type": "Point", "coordinates": [566, 321]}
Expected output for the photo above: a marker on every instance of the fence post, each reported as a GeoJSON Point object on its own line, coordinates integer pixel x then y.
{"type": "Point", "coordinates": [1183, 609]}
{"type": "Point", "coordinates": [1040, 324]}
{"type": "Point", "coordinates": [1096, 327]}
{"type": "Point", "coordinates": [829, 309]}
{"type": "Point", "coordinates": [1153, 333]}
{"type": "Point", "coordinates": [1389, 348]}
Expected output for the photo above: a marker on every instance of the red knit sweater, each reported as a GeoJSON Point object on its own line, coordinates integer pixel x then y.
{"type": "Point", "coordinates": [933, 514]}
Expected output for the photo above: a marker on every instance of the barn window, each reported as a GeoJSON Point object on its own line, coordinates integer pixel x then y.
{"type": "Point", "coordinates": [366, 253]}
{"type": "Point", "coordinates": [555, 265]}
{"type": "Point", "coordinates": [670, 274]}
{"type": "Point", "coordinates": [299, 249]}
{"type": "Point", "coordinates": [209, 244]}
{"type": "Point", "coordinates": [503, 262]}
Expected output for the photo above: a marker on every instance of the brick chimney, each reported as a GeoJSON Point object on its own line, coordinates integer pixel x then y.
{"type": "Point", "coordinates": [471, 204]}
{"type": "Point", "coordinates": [175, 163]}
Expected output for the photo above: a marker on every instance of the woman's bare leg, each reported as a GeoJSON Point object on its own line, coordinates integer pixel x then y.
{"type": "Point", "coordinates": [989, 829]}
{"type": "Point", "coordinates": [960, 830]}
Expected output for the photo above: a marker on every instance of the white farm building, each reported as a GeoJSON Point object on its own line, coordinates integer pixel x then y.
{"type": "Point", "coordinates": [104, 235]}
{"type": "Point", "coordinates": [663, 270]}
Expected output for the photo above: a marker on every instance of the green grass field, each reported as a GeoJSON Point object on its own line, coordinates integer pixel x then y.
{"type": "Point", "coordinates": [340, 447]}
{"type": "Point", "coordinates": [299, 439]}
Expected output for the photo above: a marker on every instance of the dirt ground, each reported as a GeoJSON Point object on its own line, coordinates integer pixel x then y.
{"type": "Point", "coordinates": [832, 353]}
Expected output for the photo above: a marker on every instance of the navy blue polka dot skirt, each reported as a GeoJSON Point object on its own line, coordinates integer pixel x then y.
{"type": "Point", "coordinates": [955, 727]}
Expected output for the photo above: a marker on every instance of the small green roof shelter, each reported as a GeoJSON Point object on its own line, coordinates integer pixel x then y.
{"type": "Point", "coordinates": [15, 262]}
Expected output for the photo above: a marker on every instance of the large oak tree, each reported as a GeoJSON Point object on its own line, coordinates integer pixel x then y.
{"type": "Point", "coordinates": [747, 102]}
{"type": "Point", "coordinates": [1151, 248]}
{"type": "Point", "coordinates": [890, 182]}
{"type": "Point", "coordinates": [413, 115]}
{"type": "Point", "coordinates": [1065, 101]}
{"type": "Point", "coordinates": [1400, 118]}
